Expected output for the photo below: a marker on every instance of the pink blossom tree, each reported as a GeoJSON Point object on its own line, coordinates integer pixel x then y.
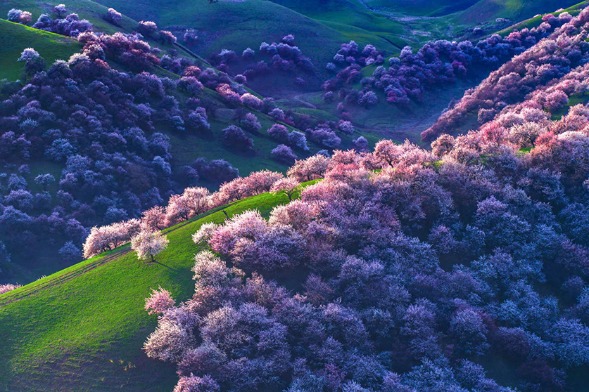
{"type": "Point", "coordinates": [286, 185]}
{"type": "Point", "coordinates": [154, 218]}
{"type": "Point", "coordinates": [309, 169]}
{"type": "Point", "coordinates": [159, 301]}
{"type": "Point", "coordinates": [105, 238]}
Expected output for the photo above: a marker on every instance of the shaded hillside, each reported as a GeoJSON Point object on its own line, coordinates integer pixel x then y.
{"type": "Point", "coordinates": [77, 112]}
{"type": "Point", "coordinates": [421, 7]}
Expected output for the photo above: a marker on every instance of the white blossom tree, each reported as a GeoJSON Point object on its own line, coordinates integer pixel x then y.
{"type": "Point", "coordinates": [149, 244]}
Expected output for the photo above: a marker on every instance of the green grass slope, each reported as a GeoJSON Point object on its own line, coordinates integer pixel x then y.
{"type": "Point", "coordinates": [44, 42]}
{"type": "Point", "coordinates": [82, 329]}
{"type": "Point", "coordinates": [14, 38]}
{"type": "Point", "coordinates": [351, 18]}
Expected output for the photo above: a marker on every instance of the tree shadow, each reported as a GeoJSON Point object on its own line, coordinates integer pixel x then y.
{"type": "Point", "coordinates": [164, 265]}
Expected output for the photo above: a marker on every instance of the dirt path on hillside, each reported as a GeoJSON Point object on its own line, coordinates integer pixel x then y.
{"type": "Point", "coordinates": [52, 282]}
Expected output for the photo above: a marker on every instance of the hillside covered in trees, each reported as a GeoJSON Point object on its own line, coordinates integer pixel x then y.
{"type": "Point", "coordinates": [397, 202]}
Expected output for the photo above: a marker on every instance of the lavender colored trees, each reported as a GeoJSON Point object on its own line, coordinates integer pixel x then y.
{"type": "Point", "coordinates": [113, 16]}
{"type": "Point", "coordinates": [60, 11]}
{"type": "Point", "coordinates": [167, 37]}
{"type": "Point", "coordinates": [284, 154]}
{"type": "Point", "coordinates": [324, 136]}
{"type": "Point", "coordinates": [33, 61]}
{"type": "Point", "coordinates": [279, 133]}
{"type": "Point", "coordinates": [234, 137]}
{"type": "Point", "coordinates": [252, 101]}
{"type": "Point", "coordinates": [14, 15]}
{"type": "Point", "coordinates": [435, 260]}
{"type": "Point", "coordinates": [147, 28]}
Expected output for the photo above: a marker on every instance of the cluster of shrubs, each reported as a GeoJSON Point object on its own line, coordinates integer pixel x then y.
{"type": "Point", "coordinates": [149, 29]}
{"type": "Point", "coordinates": [325, 133]}
{"type": "Point", "coordinates": [128, 50]}
{"type": "Point", "coordinates": [552, 58]}
{"type": "Point", "coordinates": [62, 22]}
{"type": "Point", "coordinates": [113, 16]}
{"type": "Point", "coordinates": [283, 56]}
{"type": "Point", "coordinates": [19, 16]}
{"type": "Point", "coordinates": [437, 63]}
{"type": "Point", "coordinates": [294, 139]}
{"type": "Point", "coordinates": [404, 269]}
{"type": "Point", "coordinates": [70, 24]}
{"type": "Point", "coordinates": [350, 53]}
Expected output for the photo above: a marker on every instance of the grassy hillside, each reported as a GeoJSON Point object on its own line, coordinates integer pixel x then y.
{"type": "Point", "coordinates": [83, 328]}
{"type": "Point", "coordinates": [240, 24]}
{"type": "Point", "coordinates": [86, 9]}
{"type": "Point", "coordinates": [16, 37]}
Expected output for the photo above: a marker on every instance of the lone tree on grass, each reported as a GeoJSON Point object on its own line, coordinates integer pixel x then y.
{"type": "Point", "coordinates": [287, 185]}
{"type": "Point", "coordinates": [149, 244]}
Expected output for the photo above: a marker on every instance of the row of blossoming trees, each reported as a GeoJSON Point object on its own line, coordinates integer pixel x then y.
{"type": "Point", "coordinates": [404, 269]}
{"type": "Point", "coordinates": [564, 51]}
{"type": "Point", "coordinates": [195, 201]}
